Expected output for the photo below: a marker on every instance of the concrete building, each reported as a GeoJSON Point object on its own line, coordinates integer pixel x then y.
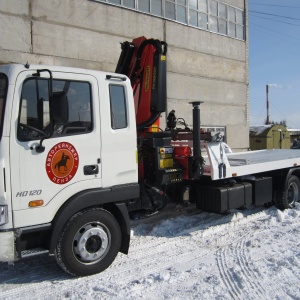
{"type": "Point", "coordinates": [207, 47]}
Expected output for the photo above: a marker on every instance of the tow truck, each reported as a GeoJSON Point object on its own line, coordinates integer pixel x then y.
{"type": "Point", "coordinates": [82, 152]}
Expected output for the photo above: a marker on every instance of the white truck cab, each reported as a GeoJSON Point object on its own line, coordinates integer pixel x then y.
{"type": "Point", "coordinates": [67, 144]}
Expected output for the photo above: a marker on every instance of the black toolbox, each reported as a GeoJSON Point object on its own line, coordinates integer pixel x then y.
{"type": "Point", "coordinates": [220, 198]}
{"type": "Point", "coordinates": [262, 190]}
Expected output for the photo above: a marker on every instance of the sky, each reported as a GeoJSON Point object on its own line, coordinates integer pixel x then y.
{"type": "Point", "coordinates": [274, 48]}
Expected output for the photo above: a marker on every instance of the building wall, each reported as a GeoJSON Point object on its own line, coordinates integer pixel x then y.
{"type": "Point", "coordinates": [202, 66]}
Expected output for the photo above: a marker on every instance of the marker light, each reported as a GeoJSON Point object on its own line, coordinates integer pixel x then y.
{"type": "Point", "coordinates": [36, 203]}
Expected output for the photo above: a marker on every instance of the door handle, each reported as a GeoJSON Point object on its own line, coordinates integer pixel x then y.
{"type": "Point", "coordinates": [91, 170]}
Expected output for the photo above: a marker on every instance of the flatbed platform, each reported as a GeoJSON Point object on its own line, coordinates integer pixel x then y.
{"type": "Point", "coordinates": [262, 156]}
{"type": "Point", "coordinates": [220, 165]}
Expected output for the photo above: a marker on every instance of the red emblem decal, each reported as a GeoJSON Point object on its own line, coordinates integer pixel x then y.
{"type": "Point", "coordinates": [62, 163]}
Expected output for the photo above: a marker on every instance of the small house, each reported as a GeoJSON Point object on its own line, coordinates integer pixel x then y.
{"type": "Point", "coordinates": [269, 137]}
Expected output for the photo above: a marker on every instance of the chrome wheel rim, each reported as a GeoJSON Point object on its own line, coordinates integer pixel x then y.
{"type": "Point", "coordinates": [91, 242]}
{"type": "Point", "coordinates": [293, 193]}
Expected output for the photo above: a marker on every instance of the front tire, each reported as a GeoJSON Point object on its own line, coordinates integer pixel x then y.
{"type": "Point", "coordinates": [89, 242]}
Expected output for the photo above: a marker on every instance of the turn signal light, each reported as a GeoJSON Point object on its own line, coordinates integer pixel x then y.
{"type": "Point", "coordinates": [36, 203]}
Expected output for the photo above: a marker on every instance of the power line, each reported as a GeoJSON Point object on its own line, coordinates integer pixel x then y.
{"type": "Point", "coordinates": [262, 13]}
{"type": "Point", "coordinates": [275, 20]}
{"type": "Point", "coordinates": [278, 32]}
{"type": "Point", "coordinates": [275, 5]}
{"type": "Point", "coordinates": [293, 38]}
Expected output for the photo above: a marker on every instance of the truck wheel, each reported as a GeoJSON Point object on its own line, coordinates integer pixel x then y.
{"type": "Point", "coordinates": [290, 196]}
{"type": "Point", "coordinates": [89, 242]}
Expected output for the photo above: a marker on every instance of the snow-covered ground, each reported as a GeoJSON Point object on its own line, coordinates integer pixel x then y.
{"type": "Point", "coordinates": [181, 254]}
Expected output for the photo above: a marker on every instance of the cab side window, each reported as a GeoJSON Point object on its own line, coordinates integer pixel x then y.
{"type": "Point", "coordinates": [34, 114]}
{"type": "Point", "coordinates": [118, 106]}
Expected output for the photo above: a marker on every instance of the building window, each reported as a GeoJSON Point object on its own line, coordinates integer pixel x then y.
{"type": "Point", "coordinates": [193, 4]}
{"type": "Point", "coordinates": [235, 23]}
{"type": "Point", "coordinates": [203, 21]}
{"type": "Point", "coordinates": [193, 17]}
{"type": "Point", "coordinates": [202, 5]}
{"type": "Point", "coordinates": [213, 8]}
{"type": "Point", "coordinates": [222, 19]}
{"type": "Point", "coordinates": [144, 5]}
{"type": "Point", "coordinates": [129, 3]}
{"type": "Point", "coordinates": [181, 12]}
{"type": "Point", "coordinates": [156, 7]}
{"type": "Point", "coordinates": [239, 24]}
{"type": "Point", "coordinates": [211, 15]}
{"type": "Point", "coordinates": [170, 10]}
{"type": "Point", "coordinates": [115, 1]}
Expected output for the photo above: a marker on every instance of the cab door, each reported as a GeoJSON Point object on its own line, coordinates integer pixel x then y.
{"type": "Point", "coordinates": [70, 160]}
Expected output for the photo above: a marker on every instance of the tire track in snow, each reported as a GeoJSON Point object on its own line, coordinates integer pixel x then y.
{"type": "Point", "coordinates": [265, 261]}
{"type": "Point", "coordinates": [231, 282]}
{"type": "Point", "coordinates": [238, 280]}
{"type": "Point", "coordinates": [126, 274]}
{"type": "Point", "coordinates": [248, 274]}
{"type": "Point", "coordinates": [158, 246]}
{"type": "Point", "coordinates": [234, 266]}
{"type": "Point", "coordinates": [126, 269]}
{"type": "Point", "coordinates": [247, 265]}
{"type": "Point", "coordinates": [161, 260]}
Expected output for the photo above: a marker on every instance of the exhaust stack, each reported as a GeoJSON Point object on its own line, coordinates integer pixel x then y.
{"type": "Point", "coordinates": [197, 157]}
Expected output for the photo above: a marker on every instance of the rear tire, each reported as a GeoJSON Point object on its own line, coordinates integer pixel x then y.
{"type": "Point", "coordinates": [89, 242]}
{"type": "Point", "coordinates": [287, 198]}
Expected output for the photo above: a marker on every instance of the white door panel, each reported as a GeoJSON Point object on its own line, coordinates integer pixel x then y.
{"type": "Point", "coordinates": [73, 155]}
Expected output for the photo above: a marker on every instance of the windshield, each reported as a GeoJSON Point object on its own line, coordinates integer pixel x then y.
{"type": "Point", "coordinates": [3, 91]}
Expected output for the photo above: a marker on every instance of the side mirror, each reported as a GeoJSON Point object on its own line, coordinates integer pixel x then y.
{"type": "Point", "coordinates": [59, 108]}
{"type": "Point", "coordinates": [59, 111]}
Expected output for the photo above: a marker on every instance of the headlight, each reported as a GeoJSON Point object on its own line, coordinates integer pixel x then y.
{"type": "Point", "coordinates": [3, 214]}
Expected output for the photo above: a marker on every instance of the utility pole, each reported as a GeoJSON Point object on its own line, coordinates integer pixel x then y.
{"type": "Point", "coordinates": [268, 113]}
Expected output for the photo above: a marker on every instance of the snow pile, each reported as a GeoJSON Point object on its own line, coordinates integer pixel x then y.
{"type": "Point", "coordinates": [182, 254]}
